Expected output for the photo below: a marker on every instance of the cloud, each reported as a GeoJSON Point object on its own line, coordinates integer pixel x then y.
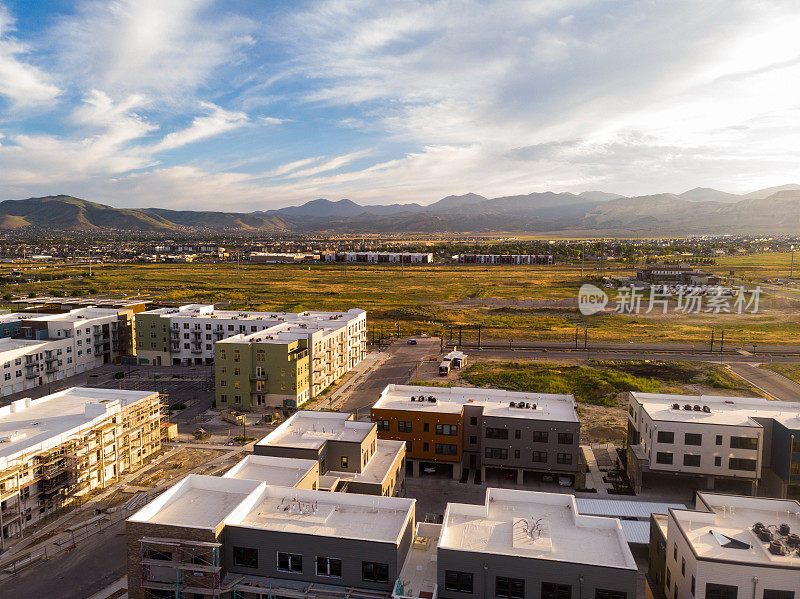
{"type": "Point", "coordinates": [22, 83]}
{"type": "Point", "coordinates": [216, 122]}
{"type": "Point", "coordinates": [149, 46]}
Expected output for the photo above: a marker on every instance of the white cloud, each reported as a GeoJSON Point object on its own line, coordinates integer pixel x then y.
{"type": "Point", "coordinates": [216, 122]}
{"type": "Point", "coordinates": [160, 48]}
{"type": "Point", "coordinates": [21, 82]}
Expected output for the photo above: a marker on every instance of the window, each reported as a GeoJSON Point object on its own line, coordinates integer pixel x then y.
{"type": "Point", "coordinates": [426, 427]}
{"type": "Point", "coordinates": [514, 588]}
{"type": "Point", "coordinates": [445, 449]}
{"type": "Point", "coordinates": [693, 439]}
{"type": "Point", "coordinates": [717, 460]}
{"type": "Point", "coordinates": [458, 581]}
{"type": "Point", "coordinates": [551, 590]}
{"type": "Point", "coordinates": [473, 439]}
{"type": "Point", "coordinates": [446, 429]}
{"type": "Point", "coordinates": [344, 461]}
{"type": "Point", "coordinates": [565, 438]}
{"type": "Point", "coordinates": [496, 433]}
{"type": "Point", "coordinates": [744, 443]}
{"type": "Point", "coordinates": [540, 456]}
{"type": "Point", "coordinates": [246, 557]}
{"type": "Point", "coordinates": [473, 421]}
{"type": "Point", "coordinates": [683, 566]}
{"type": "Point", "coordinates": [691, 460]}
{"type": "Point", "coordinates": [408, 446]}
{"type": "Point", "coordinates": [516, 454]}
{"type": "Point", "coordinates": [663, 457]}
{"type": "Point", "coordinates": [775, 594]}
{"type": "Point", "coordinates": [742, 464]}
{"type": "Point", "coordinates": [719, 439]}
{"type": "Point", "coordinates": [675, 551]}
{"type": "Point", "coordinates": [692, 589]}
{"type": "Point", "coordinates": [666, 437]}
{"type": "Point", "coordinates": [329, 566]}
{"type": "Point", "coordinates": [404, 426]}
{"type": "Point", "coordinates": [425, 447]}
{"type": "Point", "coordinates": [606, 594]}
{"type": "Point", "coordinates": [669, 577]}
{"type": "Point", "coordinates": [720, 591]}
{"type": "Point", "coordinates": [517, 434]}
{"type": "Point", "coordinates": [496, 453]}
{"type": "Point", "coordinates": [564, 458]}
{"type": "Point", "coordinates": [290, 562]}
{"type": "Point", "coordinates": [540, 436]}
{"type": "Point", "coordinates": [374, 572]}
{"type": "Point", "coordinates": [165, 556]}
{"type": "Point", "coordinates": [383, 425]}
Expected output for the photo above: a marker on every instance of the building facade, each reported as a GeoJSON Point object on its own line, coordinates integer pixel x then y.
{"type": "Point", "coordinates": [486, 430]}
{"type": "Point", "coordinates": [738, 444]}
{"type": "Point", "coordinates": [728, 547]}
{"type": "Point", "coordinates": [503, 259]}
{"type": "Point", "coordinates": [58, 448]}
{"type": "Point", "coordinates": [379, 257]}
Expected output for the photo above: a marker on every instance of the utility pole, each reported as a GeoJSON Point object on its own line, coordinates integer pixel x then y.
{"type": "Point", "coordinates": [479, 336]}
{"type": "Point", "coordinates": [583, 251]}
{"type": "Point", "coordinates": [459, 335]}
{"type": "Point", "coordinates": [238, 253]}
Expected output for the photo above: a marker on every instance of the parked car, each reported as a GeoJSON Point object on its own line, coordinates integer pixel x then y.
{"type": "Point", "coordinates": [564, 481]}
{"type": "Point", "coordinates": [547, 478]}
{"type": "Point", "coordinates": [412, 341]}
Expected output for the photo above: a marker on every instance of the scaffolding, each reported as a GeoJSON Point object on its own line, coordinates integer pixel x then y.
{"type": "Point", "coordinates": [182, 566]}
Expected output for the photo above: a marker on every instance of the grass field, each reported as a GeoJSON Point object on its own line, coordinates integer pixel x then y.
{"type": "Point", "coordinates": [510, 303]}
{"type": "Point", "coordinates": [790, 371]}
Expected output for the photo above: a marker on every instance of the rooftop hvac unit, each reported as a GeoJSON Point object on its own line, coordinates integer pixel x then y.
{"type": "Point", "coordinates": [784, 529]}
{"type": "Point", "coordinates": [521, 404]}
{"type": "Point", "coordinates": [413, 398]}
{"type": "Point", "coordinates": [688, 407]}
{"type": "Point", "coordinates": [432, 399]}
{"type": "Point", "coordinates": [763, 535]}
{"type": "Point", "coordinates": [776, 548]}
{"type": "Point", "coordinates": [512, 404]}
{"type": "Point", "coordinates": [707, 409]}
{"type": "Point", "coordinates": [533, 406]}
{"type": "Point", "coordinates": [676, 406]}
{"type": "Point", "coordinates": [697, 408]}
{"type": "Point", "coordinates": [527, 405]}
{"type": "Point", "coordinates": [793, 540]}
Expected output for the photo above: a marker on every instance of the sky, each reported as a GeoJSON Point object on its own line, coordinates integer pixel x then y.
{"type": "Point", "coordinates": [253, 105]}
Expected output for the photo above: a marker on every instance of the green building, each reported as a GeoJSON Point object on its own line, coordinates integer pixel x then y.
{"type": "Point", "coordinates": [261, 373]}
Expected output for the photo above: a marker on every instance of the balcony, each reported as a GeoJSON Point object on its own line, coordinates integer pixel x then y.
{"type": "Point", "coordinates": [31, 374]}
{"type": "Point", "coordinates": [174, 349]}
{"type": "Point", "coordinates": [259, 377]}
{"type": "Point", "coordinates": [197, 350]}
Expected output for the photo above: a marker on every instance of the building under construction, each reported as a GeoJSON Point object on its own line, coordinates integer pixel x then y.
{"type": "Point", "coordinates": [57, 449]}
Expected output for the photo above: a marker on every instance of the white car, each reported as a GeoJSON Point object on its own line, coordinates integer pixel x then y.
{"type": "Point", "coordinates": [564, 481]}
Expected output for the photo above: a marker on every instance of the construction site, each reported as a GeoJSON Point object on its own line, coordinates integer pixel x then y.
{"type": "Point", "coordinates": [58, 449]}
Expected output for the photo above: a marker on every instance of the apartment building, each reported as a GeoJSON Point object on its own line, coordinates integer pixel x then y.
{"type": "Point", "coordinates": [503, 259]}
{"type": "Point", "coordinates": [215, 537]}
{"type": "Point", "coordinates": [64, 445]}
{"type": "Point", "coordinates": [337, 341]}
{"type": "Point", "coordinates": [496, 432]}
{"type": "Point", "coordinates": [350, 455]}
{"type": "Point", "coordinates": [728, 547]}
{"type": "Point", "coordinates": [521, 544]}
{"type": "Point", "coordinates": [737, 444]}
{"type": "Point", "coordinates": [262, 371]}
{"type": "Point", "coordinates": [379, 257]}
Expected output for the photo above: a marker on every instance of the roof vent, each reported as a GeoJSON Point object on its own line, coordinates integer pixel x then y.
{"type": "Point", "coordinates": [511, 404]}
{"type": "Point", "coordinates": [784, 529]}
{"type": "Point", "coordinates": [707, 409]}
{"type": "Point", "coordinates": [432, 399]}
{"type": "Point", "coordinates": [413, 398]}
{"type": "Point", "coordinates": [697, 408]}
{"type": "Point", "coordinates": [776, 548]}
{"type": "Point", "coordinates": [676, 406]}
{"type": "Point", "coordinates": [687, 407]}
{"type": "Point", "coordinates": [533, 406]}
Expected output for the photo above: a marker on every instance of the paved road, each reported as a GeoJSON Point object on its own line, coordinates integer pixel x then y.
{"type": "Point", "coordinates": [398, 368]}
{"type": "Point", "coordinates": [772, 383]}
{"type": "Point", "coordinates": [596, 346]}
{"type": "Point", "coordinates": [595, 354]}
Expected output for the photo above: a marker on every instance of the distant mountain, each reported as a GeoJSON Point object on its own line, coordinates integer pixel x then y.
{"type": "Point", "coordinates": [697, 211]}
{"type": "Point", "coordinates": [706, 194]}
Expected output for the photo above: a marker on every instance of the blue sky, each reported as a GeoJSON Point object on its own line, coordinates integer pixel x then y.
{"type": "Point", "coordinates": [252, 105]}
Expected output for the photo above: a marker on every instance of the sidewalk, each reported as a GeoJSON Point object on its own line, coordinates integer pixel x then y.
{"type": "Point", "coordinates": [594, 478]}
{"type": "Point", "coordinates": [337, 398]}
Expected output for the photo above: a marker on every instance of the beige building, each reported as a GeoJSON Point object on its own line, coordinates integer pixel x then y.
{"type": "Point", "coordinates": [59, 448]}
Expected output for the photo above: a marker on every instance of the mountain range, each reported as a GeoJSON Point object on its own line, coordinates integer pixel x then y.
{"type": "Point", "coordinates": [774, 210]}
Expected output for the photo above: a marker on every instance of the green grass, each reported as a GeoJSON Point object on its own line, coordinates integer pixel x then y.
{"type": "Point", "coordinates": [435, 299]}
{"type": "Point", "coordinates": [790, 371]}
{"type": "Point", "coordinates": [598, 386]}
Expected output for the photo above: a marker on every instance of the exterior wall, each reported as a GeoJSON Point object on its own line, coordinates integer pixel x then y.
{"type": "Point", "coordinates": [352, 552]}
{"type": "Point", "coordinates": [262, 375]}
{"type": "Point", "coordinates": [152, 339]}
{"type": "Point", "coordinates": [291, 452]}
{"type": "Point", "coordinates": [422, 442]}
{"type": "Point", "coordinates": [135, 531]}
{"type": "Point", "coordinates": [656, 558]}
{"type": "Point", "coordinates": [525, 444]}
{"type": "Point", "coordinates": [486, 567]}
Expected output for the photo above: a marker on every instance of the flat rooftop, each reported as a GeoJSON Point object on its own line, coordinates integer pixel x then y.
{"type": "Point", "coordinates": [207, 311]}
{"type": "Point", "coordinates": [739, 411]}
{"type": "Point", "coordinates": [722, 529]}
{"type": "Point", "coordinates": [379, 465]}
{"type": "Point", "coordinates": [495, 402]}
{"type": "Point", "coordinates": [535, 525]}
{"type": "Point", "coordinates": [282, 472]}
{"type": "Point", "coordinates": [311, 430]}
{"type": "Point", "coordinates": [8, 344]}
{"type": "Point", "coordinates": [30, 425]}
{"type": "Point", "coordinates": [198, 502]}
{"type": "Point", "coordinates": [78, 315]}
{"type": "Point", "coordinates": [341, 515]}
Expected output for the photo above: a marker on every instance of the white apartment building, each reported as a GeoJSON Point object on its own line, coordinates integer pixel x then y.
{"type": "Point", "coordinates": [728, 547]}
{"type": "Point", "coordinates": [337, 341]}
{"type": "Point", "coordinates": [64, 445]}
{"type": "Point", "coordinates": [379, 257]}
{"type": "Point", "coordinates": [738, 443]}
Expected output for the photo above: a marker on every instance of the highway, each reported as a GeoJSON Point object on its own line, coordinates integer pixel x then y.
{"type": "Point", "coordinates": [771, 383]}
